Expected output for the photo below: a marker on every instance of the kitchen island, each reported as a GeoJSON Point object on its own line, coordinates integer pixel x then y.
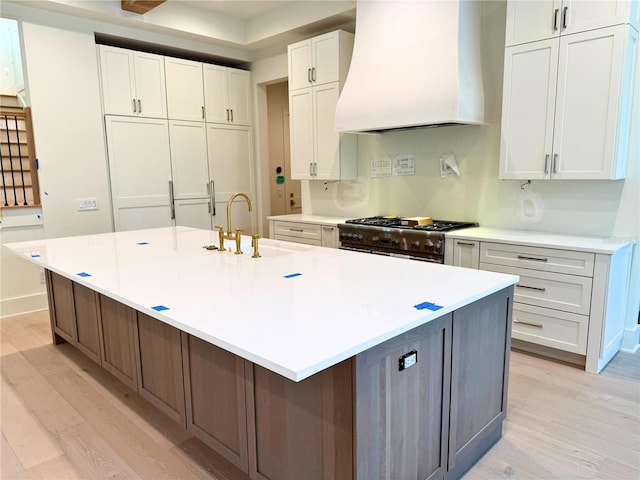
{"type": "Point", "coordinates": [308, 362]}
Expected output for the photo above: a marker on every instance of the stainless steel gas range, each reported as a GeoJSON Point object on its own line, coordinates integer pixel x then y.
{"type": "Point", "coordinates": [394, 236]}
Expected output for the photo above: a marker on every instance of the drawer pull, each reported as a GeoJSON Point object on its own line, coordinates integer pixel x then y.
{"type": "Point", "coordinates": [531, 324]}
{"type": "Point", "coordinates": [541, 289]}
{"type": "Point", "coordinates": [468, 244]}
{"type": "Point", "coordinates": [296, 230]}
{"type": "Point", "coordinates": [537, 259]}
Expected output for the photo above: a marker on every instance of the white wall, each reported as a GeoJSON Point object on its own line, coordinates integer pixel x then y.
{"type": "Point", "coordinates": [599, 208]}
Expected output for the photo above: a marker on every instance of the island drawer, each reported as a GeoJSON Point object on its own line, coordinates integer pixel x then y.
{"type": "Point", "coordinates": [551, 328]}
{"type": "Point", "coordinates": [569, 293]}
{"type": "Point", "coordinates": [537, 258]}
{"type": "Point", "coordinates": [298, 232]}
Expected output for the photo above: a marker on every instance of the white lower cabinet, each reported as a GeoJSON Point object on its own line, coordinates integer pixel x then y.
{"type": "Point", "coordinates": [568, 304]}
{"type": "Point", "coordinates": [302, 232]}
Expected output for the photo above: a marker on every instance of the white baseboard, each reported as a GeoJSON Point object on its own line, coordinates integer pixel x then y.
{"type": "Point", "coordinates": [10, 307]}
{"type": "Point", "coordinates": [631, 339]}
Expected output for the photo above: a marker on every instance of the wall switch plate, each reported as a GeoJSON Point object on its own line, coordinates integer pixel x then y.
{"type": "Point", "coordinates": [408, 360]}
{"type": "Point", "coordinates": [86, 204]}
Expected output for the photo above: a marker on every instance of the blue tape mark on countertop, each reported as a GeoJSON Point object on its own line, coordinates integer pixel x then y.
{"type": "Point", "coordinates": [427, 306]}
{"type": "Point", "coordinates": [35, 255]}
{"type": "Point", "coordinates": [142, 243]}
{"type": "Point", "coordinates": [159, 308]}
{"type": "Point", "coordinates": [83, 274]}
{"type": "Point", "coordinates": [291, 275]}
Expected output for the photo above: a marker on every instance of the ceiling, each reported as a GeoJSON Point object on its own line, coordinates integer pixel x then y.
{"type": "Point", "coordinates": [244, 30]}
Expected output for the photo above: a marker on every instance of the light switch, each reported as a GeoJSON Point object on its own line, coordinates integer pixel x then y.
{"type": "Point", "coordinates": [86, 204]}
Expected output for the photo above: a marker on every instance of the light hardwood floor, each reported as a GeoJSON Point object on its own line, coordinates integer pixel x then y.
{"type": "Point", "coordinates": [63, 417]}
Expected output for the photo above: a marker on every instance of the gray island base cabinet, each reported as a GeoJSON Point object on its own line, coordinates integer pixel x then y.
{"type": "Point", "coordinates": [362, 418]}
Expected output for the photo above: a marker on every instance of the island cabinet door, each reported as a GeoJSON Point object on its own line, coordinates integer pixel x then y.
{"type": "Point", "coordinates": [215, 398]}
{"type": "Point", "coordinates": [87, 323]}
{"type": "Point", "coordinates": [402, 405]}
{"type": "Point", "coordinates": [61, 308]}
{"type": "Point", "coordinates": [160, 378]}
{"type": "Point", "coordinates": [118, 344]}
{"type": "Point", "coordinates": [479, 378]}
{"type": "Point", "coordinates": [300, 430]}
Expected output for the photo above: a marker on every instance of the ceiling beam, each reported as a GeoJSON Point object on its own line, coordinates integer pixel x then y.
{"type": "Point", "coordinates": [140, 6]}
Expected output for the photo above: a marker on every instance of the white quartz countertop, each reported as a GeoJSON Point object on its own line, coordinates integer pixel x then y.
{"type": "Point", "coordinates": [320, 219]}
{"type": "Point", "coordinates": [542, 239]}
{"type": "Point", "coordinates": [296, 311]}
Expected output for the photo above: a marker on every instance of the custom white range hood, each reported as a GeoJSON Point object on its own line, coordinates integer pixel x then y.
{"type": "Point", "coordinates": [414, 64]}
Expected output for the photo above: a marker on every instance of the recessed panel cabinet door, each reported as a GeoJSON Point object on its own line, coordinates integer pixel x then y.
{"type": "Point", "coordinates": [117, 79]}
{"type": "Point", "coordinates": [189, 162]}
{"type": "Point", "coordinates": [300, 63]}
{"type": "Point", "coordinates": [528, 105]}
{"type": "Point", "coordinates": [327, 140]}
{"type": "Point", "coordinates": [185, 89]}
{"type": "Point", "coordinates": [87, 324]}
{"type": "Point", "coordinates": [150, 85]}
{"type": "Point", "coordinates": [61, 305]}
{"type": "Point", "coordinates": [301, 136]}
{"type": "Point", "coordinates": [140, 171]}
{"type": "Point", "coordinates": [588, 104]}
{"type": "Point", "coordinates": [215, 398]}
{"type": "Point", "coordinates": [160, 366]}
{"type": "Point", "coordinates": [239, 94]}
{"type": "Point", "coordinates": [531, 20]}
{"type": "Point", "coordinates": [119, 352]}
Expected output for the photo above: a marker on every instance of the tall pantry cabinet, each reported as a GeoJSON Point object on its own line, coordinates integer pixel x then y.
{"type": "Point", "coordinates": [568, 77]}
{"type": "Point", "coordinates": [178, 164]}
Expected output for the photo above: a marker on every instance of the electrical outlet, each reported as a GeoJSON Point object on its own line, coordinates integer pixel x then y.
{"type": "Point", "coordinates": [408, 360]}
{"type": "Point", "coordinates": [86, 204]}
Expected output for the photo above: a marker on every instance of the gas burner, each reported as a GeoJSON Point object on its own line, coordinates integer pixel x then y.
{"type": "Point", "coordinates": [376, 221]}
{"type": "Point", "coordinates": [444, 226]}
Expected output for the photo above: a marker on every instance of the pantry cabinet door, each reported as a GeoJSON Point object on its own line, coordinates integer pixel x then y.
{"type": "Point", "coordinates": [185, 89]}
{"type": "Point", "coordinates": [239, 94]}
{"type": "Point", "coordinates": [215, 94]}
{"type": "Point", "coordinates": [117, 80]}
{"type": "Point", "coordinates": [301, 133]}
{"type": "Point", "coordinates": [150, 85]}
{"type": "Point", "coordinates": [327, 140]}
{"type": "Point", "coordinates": [140, 172]}
{"type": "Point", "coordinates": [189, 163]}
{"type": "Point", "coordinates": [300, 63]}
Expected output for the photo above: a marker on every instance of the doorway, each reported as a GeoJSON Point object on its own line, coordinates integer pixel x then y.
{"type": "Point", "coordinates": [284, 192]}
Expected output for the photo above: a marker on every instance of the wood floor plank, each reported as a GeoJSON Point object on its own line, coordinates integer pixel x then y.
{"type": "Point", "coordinates": [59, 468]}
{"type": "Point", "coordinates": [10, 466]}
{"type": "Point", "coordinates": [23, 430]}
{"type": "Point", "coordinates": [211, 462]}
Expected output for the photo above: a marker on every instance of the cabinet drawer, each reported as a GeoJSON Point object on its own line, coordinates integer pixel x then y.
{"type": "Point", "coordinates": [306, 241]}
{"type": "Point", "coordinates": [569, 293]}
{"type": "Point", "coordinates": [551, 328]}
{"type": "Point", "coordinates": [536, 258]}
{"type": "Point", "coordinates": [308, 231]}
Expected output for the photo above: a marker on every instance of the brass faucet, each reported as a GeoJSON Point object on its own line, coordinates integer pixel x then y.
{"type": "Point", "coordinates": [229, 235]}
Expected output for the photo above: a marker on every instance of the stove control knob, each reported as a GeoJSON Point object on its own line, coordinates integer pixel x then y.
{"type": "Point", "coordinates": [439, 246]}
{"type": "Point", "coordinates": [415, 244]}
{"type": "Point", "coordinates": [429, 242]}
{"type": "Point", "coordinates": [375, 239]}
{"type": "Point", "coordinates": [359, 237]}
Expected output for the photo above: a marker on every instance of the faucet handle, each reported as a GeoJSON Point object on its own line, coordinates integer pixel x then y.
{"type": "Point", "coordinates": [254, 244]}
{"type": "Point", "coordinates": [220, 237]}
{"type": "Point", "coordinates": [238, 238]}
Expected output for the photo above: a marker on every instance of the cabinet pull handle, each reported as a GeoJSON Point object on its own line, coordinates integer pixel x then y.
{"type": "Point", "coordinates": [139, 106]}
{"type": "Point", "coordinates": [133, 100]}
{"type": "Point", "coordinates": [202, 112]}
{"type": "Point", "coordinates": [564, 17]}
{"type": "Point", "coordinates": [546, 163]}
{"type": "Point", "coordinates": [555, 19]}
{"type": "Point", "coordinates": [311, 169]}
{"type": "Point", "coordinates": [227, 114]}
{"type": "Point", "coordinates": [212, 189]}
{"type": "Point", "coordinates": [315, 169]}
{"type": "Point", "coordinates": [172, 200]}
{"type": "Point", "coordinates": [537, 259]}
{"type": "Point", "coordinates": [324, 227]}
{"type": "Point", "coordinates": [231, 110]}
{"type": "Point", "coordinates": [555, 163]}
{"type": "Point", "coordinates": [209, 206]}
{"type": "Point", "coordinates": [313, 74]}
{"type": "Point", "coordinates": [296, 229]}
{"type": "Point", "coordinates": [532, 324]}
{"type": "Point", "coordinates": [540, 289]}
{"type": "Point", "coordinates": [468, 244]}
{"type": "Point", "coordinates": [309, 75]}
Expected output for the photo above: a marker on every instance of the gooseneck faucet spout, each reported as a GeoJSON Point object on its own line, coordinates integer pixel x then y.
{"type": "Point", "coordinates": [231, 199]}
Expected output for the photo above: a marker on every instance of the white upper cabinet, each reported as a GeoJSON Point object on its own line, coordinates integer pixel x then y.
{"type": "Point", "coordinates": [532, 20]}
{"type": "Point", "coordinates": [567, 105]}
{"type": "Point", "coordinates": [319, 60]}
{"type": "Point", "coordinates": [185, 89]}
{"type": "Point", "coordinates": [318, 152]}
{"type": "Point", "coordinates": [227, 93]}
{"type": "Point", "coordinates": [133, 83]}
